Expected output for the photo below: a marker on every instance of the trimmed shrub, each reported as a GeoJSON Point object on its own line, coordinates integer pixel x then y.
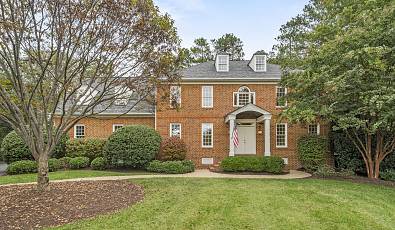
{"type": "Point", "coordinates": [90, 148]}
{"type": "Point", "coordinates": [79, 162]}
{"type": "Point", "coordinates": [172, 149]}
{"type": "Point", "coordinates": [4, 130]}
{"type": "Point", "coordinates": [60, 149]}
{"type": "Point", "coordinates": [132, 146]}
{"type": "Point", "coordinates": [99, 163]}
{"type": "Point", "coordinates": [13, 148]}
{"type": "Point", "coordinates": [171, 167]}
{"type": "Point", "coordinates": [388, 175]}
{"type": "Point", "coordinates": [327, 171]}
{"type": "Point", "coordinates": [346, 155]}
{"type": "Point", "coordinates": [54, 164]}
{"type": "Point", "coordinates": [313, 151]}
{"type": "Point", "coordinates": [21, 167]}
{"type": "Point", "coordinates": [270, 164]}
{"type": "Point", "coordinates": [65, 162]}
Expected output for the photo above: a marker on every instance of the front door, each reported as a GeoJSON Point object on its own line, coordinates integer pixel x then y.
{"type": "Point", "coordinates": [247, 138]}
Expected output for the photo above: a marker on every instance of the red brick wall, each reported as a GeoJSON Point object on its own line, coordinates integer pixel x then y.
{"type": "Point", "coordinates": [191, 115]}
{"type": "Point", "coordinates": [101, 127]}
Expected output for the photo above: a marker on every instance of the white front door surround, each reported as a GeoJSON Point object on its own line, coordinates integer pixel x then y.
{"type": "Point", "coordinates": [246, 130]}
{"type": "Point", "coordinates": [265, 118]}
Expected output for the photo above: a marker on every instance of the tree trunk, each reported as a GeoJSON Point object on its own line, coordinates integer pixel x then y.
{"type": "Point", "coordinates": [42, 175]}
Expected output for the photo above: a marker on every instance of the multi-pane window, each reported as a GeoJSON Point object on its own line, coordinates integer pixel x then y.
{"type": "Point", "coordinates": [281, 135]}
{"type": "Point", "coordinates": [314, 129]}
{"type": "Point", "coordinates": [280, 96]}
{"type": "Point", "coordinates": [115, 127]}
{"type": "Point", "coordinates": [207, 96]}
{"type": "Point", "coordinates": [260, 63]}
{"type": "Point", "coordinates": [175, 96]}
{"type": "Point", "coordinates": [243, 97]}
{"type": "Point", "coordinates": [79, 131]}
{"type": "Point", "coordinates": [223, 63]}
{"type": "Point", "coordinates": [207, 135]}
{"type": "Point", "coordinates": [175, 130]}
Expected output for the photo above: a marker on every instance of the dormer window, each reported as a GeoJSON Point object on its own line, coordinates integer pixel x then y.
{"type": "Point", "coordinates": [243, 97]}
{"type": "Point", "coordinates": [222, 63]}
{"type": "Point", "coordinates": [260, 63]}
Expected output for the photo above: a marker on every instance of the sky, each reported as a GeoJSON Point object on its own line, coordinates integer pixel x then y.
{"type": "Point", "coordinates": [255, 22]}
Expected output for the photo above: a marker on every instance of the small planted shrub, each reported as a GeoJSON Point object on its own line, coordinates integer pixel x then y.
{"type": "Point", "coordinates": [171, 167]}
{"type": "Point", "coordinates": [99, 163]}
{"type": "Point", "coordinates": [13, 148]}
{"type": "Point", "coordinates": [389, 174]}
{"type": "Point", "coordinates": [313, 151]}
{"type": "Point", "coordinates": [90, 148]}
{"type": "Point", "coordinates": [65, 162]}
{"type": "Point", "coordinates": [79, 162]}
{"type": "Point", "coordinates": [54, 164]}
{"type": "Point", "coordinates": [270, 164]}
{"type": "Point", "coordinates": [172, 149]}
{"type": "Point", "coordinates": [132, 146]}
{"type": "Point", "coordinates": [21, 167]}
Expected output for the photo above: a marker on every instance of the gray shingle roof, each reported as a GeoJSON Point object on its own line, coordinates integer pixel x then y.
{"type": "Point", "coordinates": [238, 71]}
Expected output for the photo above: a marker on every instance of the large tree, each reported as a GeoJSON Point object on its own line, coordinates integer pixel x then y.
{"type": "Point", "coordinates": [230, 44]}
{"type": "Point", "coordinates": [201, 51]}
{"type": "Point", "coordinates": [346, 58]}
{"type": "Point", "coordinates": [61, 61]}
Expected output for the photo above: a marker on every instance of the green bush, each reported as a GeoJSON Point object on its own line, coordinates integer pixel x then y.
{"type": "Point", "coordinates": [13, 148]}
{"type": "Point", "coordinates": [4, 130]}
{"type": "Point", "coordinates": [60, 149]}
{"type": "Point", "coordinates": [388, 175]}
{"type": "Point", "coordinates": [79, 162]}
{"type": "Point", "coordinates": [54, 164]}
{"type": "Point", "coordinates": [172, 149]}
{"type": "Point", "coordinates": [132, 146]}
{"type": "Point", "coordinates": [99, 163]}
{"type": "Point", "coordinates": [90, 148]}
{"type": "Point", "coordinates": [65, 162]}
{"type": "Point", "coordinates": [172, 167]}
{"type": "Point", "coordinates": [313, 151]}
{"type": "Point", "coordinates": [272, 164]}
{"type": "Point", "coordinates": [21, 167]}
{"type": "Point", "coordinates": [327, 171]}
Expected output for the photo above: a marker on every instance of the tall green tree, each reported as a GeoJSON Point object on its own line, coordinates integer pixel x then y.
{"type": "Point", "coordinates": [230, 44]}
{"type": "Point", "coordinates": [346, 62]}
{"type": "Point", "coordinates": [201, 51]}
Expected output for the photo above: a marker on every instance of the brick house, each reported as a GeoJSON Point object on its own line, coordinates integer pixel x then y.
{"type": "Point", "coordinates": [212, 100]}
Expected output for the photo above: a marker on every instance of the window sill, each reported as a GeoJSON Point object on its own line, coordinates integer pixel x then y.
{"type": "Point", "coordinates": [207, 147]}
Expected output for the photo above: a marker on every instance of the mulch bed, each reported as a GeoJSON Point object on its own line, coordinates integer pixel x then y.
{"type": "Point", "coordinates": [219, 170]}
{"type": "Point", "coordinates": [22, 207]}
{"type": "Point", "coordinates": [355, 179]}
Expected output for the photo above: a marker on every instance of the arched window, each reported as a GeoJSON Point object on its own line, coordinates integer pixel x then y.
{"type": "Point", "coordinates": [243, 96]}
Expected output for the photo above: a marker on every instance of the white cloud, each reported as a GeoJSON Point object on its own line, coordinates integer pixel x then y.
{"type": "Point", "coordinates": [179, 8]}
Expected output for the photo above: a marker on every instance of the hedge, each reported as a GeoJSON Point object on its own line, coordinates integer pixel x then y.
{"type": "Point", "coordinates": [54, 164]}
{"type": "Point", "coordinates": [172, 149]}
{"type": "Point", "coordinates": [313, 151]}
{"type": "Point", "coordinates": [21, 167]}
{"type": "Point", "coordinates": [132, 146]}
{"type": "Point", "coordinates": [13, 148]}
{"type": "Point", "coordinates": [90, 148]}
{"type": "Point", "coordinates": [99, 163]}
{"type": "Point", "coordinates": [271, 164]}
{"type": "Point", "coordinates": [171, 167]}
{"type": "Point", "coordinates": [60, 148]}
{"type": "Point", "coordinates": [78, 162]}
{"type": "Point", "coordinates": [389, 174]}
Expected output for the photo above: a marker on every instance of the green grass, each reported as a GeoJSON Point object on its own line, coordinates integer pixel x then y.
{"type": "Point", "coordinates": [188, 203]}
{"type": "Point", "coordinates": [67, 174]}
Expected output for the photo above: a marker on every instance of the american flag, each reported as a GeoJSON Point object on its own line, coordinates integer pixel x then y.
{"type": "Point", "coordinates": [235, 137]}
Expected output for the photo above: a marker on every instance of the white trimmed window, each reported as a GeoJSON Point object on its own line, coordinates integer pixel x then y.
{"type": "Point", "coordinates": [313, 129]}
{"type": "Point", "coordinates": [281, 135]}
{"type": "Point", "coordinates": [115, 127]}
{"type": "Point", "coordinates": [280, 94]}
{"type": "Point", "coordinates": [223, 63]}
{"type": "Point", "coordinates": [175, 96]}
{"type": "Point", "coordinates": [207, 135]}
{"type": "Point", "coordinates": [175, 130]}
{"type": "Point", "coordinates": [243, 97]}
{"type": "Point", "coordinates": [207, 96]}
{"type": "Point", "coordinates": [79, 131]}
{"type": "Point", "coordinates": [260, 63]}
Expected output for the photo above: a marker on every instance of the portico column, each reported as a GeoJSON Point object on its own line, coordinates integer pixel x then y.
{"type": "Point", "coordinates": [267, 135]}
{"type": "Point", "coordinates": [232, 119]}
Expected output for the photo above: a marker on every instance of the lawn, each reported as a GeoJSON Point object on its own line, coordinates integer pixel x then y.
{"type": "Point", "coordinates": [67, 174]}
{"type": "Point", "coordinates": [190, 203]}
